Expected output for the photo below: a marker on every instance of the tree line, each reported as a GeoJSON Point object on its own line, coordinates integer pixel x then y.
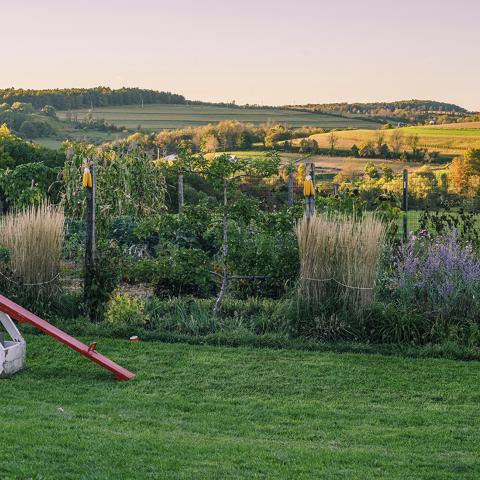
{"type": "Point", "coordinates": [74, 98]}
{"type": "Point", "coordinates": [408, 111]}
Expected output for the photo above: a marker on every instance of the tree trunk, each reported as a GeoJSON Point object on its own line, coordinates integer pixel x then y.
{"type": "Point", "coordinates": [181, 199]}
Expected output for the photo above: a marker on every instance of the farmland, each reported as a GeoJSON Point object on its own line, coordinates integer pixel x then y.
{"type": "Point", "coordinates": [453, 139]}
{"type": "Point", "coordinates": [334, 164]}
{"type": "Point", "coordinates": [159, 117]}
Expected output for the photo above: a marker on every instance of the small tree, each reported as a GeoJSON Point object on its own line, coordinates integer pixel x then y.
{"type": "Point", "coordinates": [210, 144]}
{"type": "Point", "coordinates": [396, 142]}
{"type": "Point", "coordinates": [413, 142]}
{"type": "Point", "coordinates": [332, 140]}
{"type": "Point", "coordinates": [458, 177]}
{"type": "Point", "coordinates": [472, 161]}
{"type": "Point", "coordinates": [225, 172]}
{"type": "Point", "coordinates": [371, 170]}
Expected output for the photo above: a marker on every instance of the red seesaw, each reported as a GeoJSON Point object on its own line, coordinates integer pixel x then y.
{"type": "Point", "coordinates": [22, 315]}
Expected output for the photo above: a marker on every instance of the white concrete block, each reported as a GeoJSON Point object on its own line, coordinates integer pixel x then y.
{"type": "Point", "coordinates": [12, 352]}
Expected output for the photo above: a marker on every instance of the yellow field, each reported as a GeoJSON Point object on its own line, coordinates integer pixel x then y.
{"type": "Point", "coordinates": [452, 139]}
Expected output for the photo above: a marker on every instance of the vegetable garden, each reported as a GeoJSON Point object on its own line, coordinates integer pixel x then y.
{"type": "Point", "coordinates": [235, 262]}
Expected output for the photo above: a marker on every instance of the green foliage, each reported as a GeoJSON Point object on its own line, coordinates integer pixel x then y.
{"type": "Point", "coordinates": [122, 309]}
{"type": "Point", "coordinates": [70, 98]}
{"type": "Point", "coordinates": [28, 184]}
{"type": "Point", "coordinates": [184, 271]}
{"type": "Point", "coordinates": [22, 107]}
{"type": "Point", "coordinates": [49, 111]}
{"type": "Point", "coordinates": [15, 151]}
{"type": "Point", "coordinates": [264, 245]}
{"type": "Point", "coordinates": [105, 279]}
{"type": "Point", "coordinates": [472, 161]}
{"type": "Point", "coordinates": [128, 183]}
{"type": "Point", "coordinates": [371, 170]}
{"type": "Point", "coordinates": [224, 167]}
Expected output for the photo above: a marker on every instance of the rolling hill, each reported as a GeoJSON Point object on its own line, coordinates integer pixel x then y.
{"type": "Point", "coordinates": [163, 116]}
{"type": "Point", "coordinates": [451, 139]}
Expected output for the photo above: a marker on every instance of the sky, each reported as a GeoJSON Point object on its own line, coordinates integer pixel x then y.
{"type": "Point", "coordinates": [251, 51]}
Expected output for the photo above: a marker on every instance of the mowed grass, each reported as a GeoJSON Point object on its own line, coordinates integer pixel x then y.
{"type": "Point", "coordinates": [447, 141]}
{"type": "Point", "coordinates": [159, 117]}
{"type": "Point", "coordinates": [198, 412]}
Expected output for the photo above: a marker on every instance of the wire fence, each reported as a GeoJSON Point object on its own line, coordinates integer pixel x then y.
{"type": "Point", "coordinates": [436, 211]}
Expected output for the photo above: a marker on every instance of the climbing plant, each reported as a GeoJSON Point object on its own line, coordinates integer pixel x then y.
{"type": "Point", "coordinates": [128, 182]}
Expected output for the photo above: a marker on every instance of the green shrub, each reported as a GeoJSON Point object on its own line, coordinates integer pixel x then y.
{"type": "Point", "coordinates": [106, 277]}
{"type": "Point", "coordinates": [122, 309]}
{"type": "Point", "coordinates": [184, 271]}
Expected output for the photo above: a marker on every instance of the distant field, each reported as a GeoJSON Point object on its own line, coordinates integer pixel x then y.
{"type": "Point", "coordinates": [89, 136]}
{"type": "Point", "coordinates": [455, 126]}
{"type": "Point", "coordinates": [328, 163]}
{"type": "Point", "coordinates": [161, 117]}
{"type": "Point", "coordinates": [445, 139]}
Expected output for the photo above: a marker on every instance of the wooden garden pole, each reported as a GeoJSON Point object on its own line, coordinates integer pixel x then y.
{"type": "Point", "coordinates": [290, 188]}
{"type": "Point", "coordinates": [405, 204]}
{"type": "Point", "coordinates": [90, 232]}
{"type": "Point", "coordinates": [181, 198]}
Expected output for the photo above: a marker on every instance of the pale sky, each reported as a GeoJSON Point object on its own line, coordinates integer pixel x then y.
{"type": "Point", "coordinates": [252, 51]}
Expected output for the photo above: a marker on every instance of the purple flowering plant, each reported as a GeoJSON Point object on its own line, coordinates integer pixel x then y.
{"type": "Point", "coordinates": [439, 277]}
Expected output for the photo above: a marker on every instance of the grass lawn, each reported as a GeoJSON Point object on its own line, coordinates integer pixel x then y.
{"type": "Point", "coordinates": [198, 412]}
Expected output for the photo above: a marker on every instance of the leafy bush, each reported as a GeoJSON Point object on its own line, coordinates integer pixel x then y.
{"type": "Point", "coordinates": [106, 277]}
{"type": "Point", "coordinates": [184, 271]}
{"type": "Point", "coordinates": [28, 184]}
{"type": "Point", "coordinates": [265, 246]}
{"type": "Point", "coordinates": [178, 271]}
{"type": "Point", "coordinates": [122, 309]}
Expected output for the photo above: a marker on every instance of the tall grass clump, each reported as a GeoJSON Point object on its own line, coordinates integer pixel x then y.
{"type": "Point", "coordinates": [339, 258]}
{"type": "Point", "coordinates": [33, 238]}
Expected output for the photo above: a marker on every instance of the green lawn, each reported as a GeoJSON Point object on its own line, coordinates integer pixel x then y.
{"type": "Point", "coordinates": [160, 116]}
{"type": "Point", "coordinates": [198, 412]}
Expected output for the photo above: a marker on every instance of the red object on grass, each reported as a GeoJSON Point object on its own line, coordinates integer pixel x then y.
{"type": "Point", "coordinates": [22, 315]}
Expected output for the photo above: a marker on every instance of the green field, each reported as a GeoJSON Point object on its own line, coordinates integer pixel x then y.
{"type": "Point", "coordinates": [199, 412]}
{"type": "Point", "coordinates": [160, 117]}
{"type": "Point", "coordinates": [447, 141]}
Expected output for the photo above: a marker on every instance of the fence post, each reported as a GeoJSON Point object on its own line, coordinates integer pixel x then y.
{"type": "Point", "coordinates": [181, 198]}
{"type": "Point", "coordinates": [90, 235]}
{"type": "Point", "coordinates": [405, 204]}
{"type": "Point", "coordinates": [290, 188]}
